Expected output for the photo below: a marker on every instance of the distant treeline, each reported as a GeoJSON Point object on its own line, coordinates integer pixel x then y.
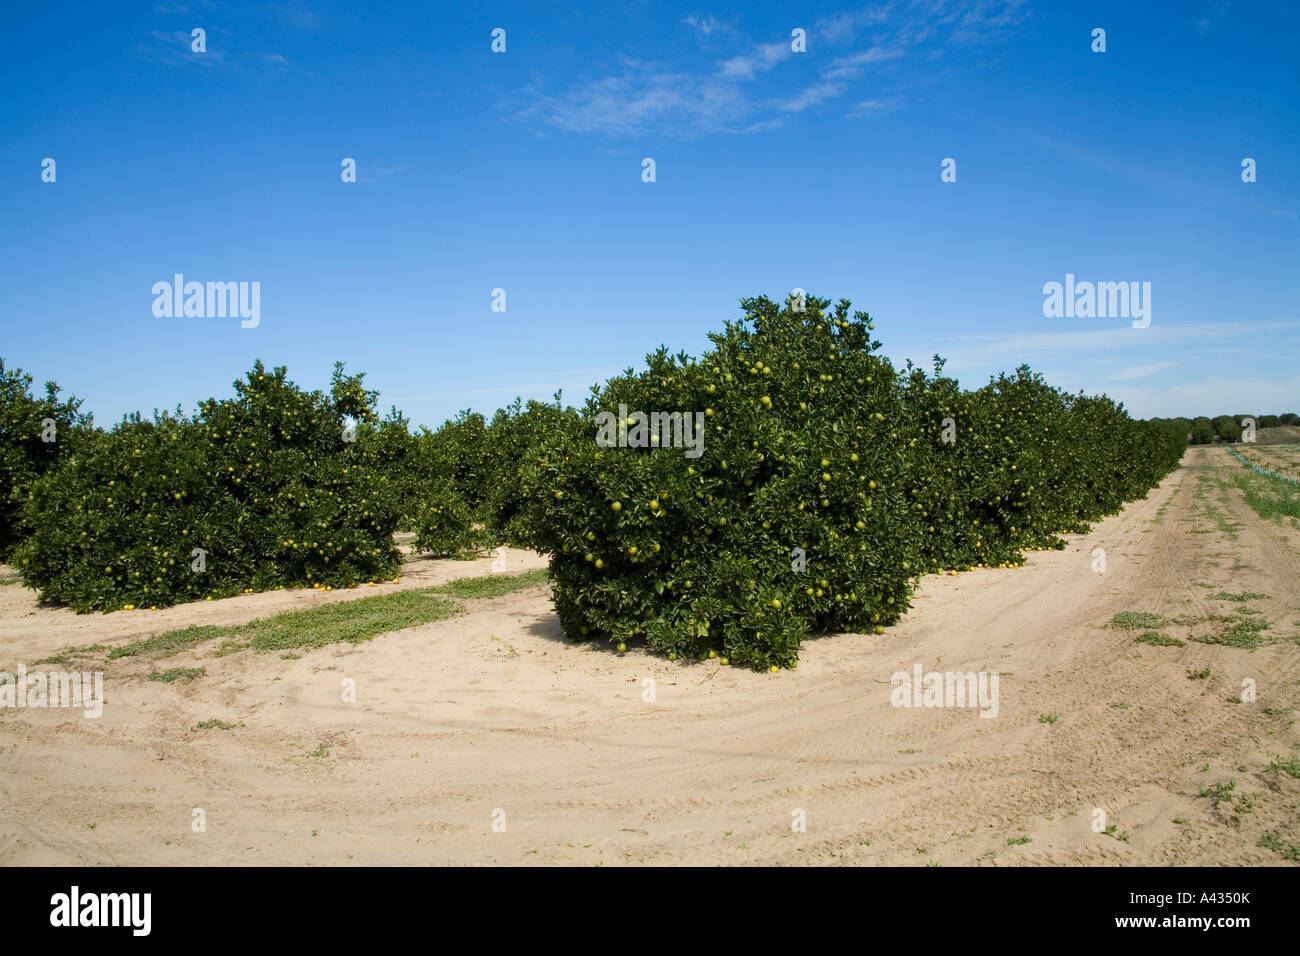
{"type": "Point", "coordinates": [1206, 431]}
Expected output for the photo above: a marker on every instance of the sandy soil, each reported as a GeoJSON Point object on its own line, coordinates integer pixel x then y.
{"type": "Point", "coordinates": [494, 711]}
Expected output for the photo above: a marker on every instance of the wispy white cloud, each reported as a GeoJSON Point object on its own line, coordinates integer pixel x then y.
{"type": "Point", "coordinates": [1140, 371]}
{"type": "Point", "coordinates": [184, 8]}
{"type": "Point", "coordinates": [811, 96]}
{"type": "Point", "coordinates": [1160, 179]}
{"type": "Point", "coordinates": [638, 98]}
{"type": "Point", "coordinates": [643, 97]}
{"type": "Point", "coordinates": [997, 350]}
{"type": "Point", "coordinates": [874, 107]}
{"type": "Point", "coordinates": [851, 67]}
{"type": "Point", "coordinates": [1097, 360]}
{"type": "Point", "coordinates": [840, 27]}
{"type": "Point", "coordinates": [760, 60]}
{"type": "Point", "coordinates": [1216, 395]}
{"type": "Point", "coordinates": [175, 48]}
{"type": "Point", "coordinates": [836, 78]}
{"type": "Point", "coordinates": [708, 25]}
{"type": "Point", "coordinates": [976, 21]}
{"type": "Point", "coordinates": [915, 21]}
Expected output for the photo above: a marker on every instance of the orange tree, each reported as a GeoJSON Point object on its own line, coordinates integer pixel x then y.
{"type": "Point", "coordinates": [512, 432]}
{"type": "Point", "coordinates": [792, 519]}
{"type": "Point", "coordinates": [1019, 462]}
{"type": "Point", "coordinates": [978, 465]}
{"type": "Point", "coordinates": [443, 476]}
{"type": "Point", "coordinates": [1019, 445]}
{"type": "Point", "coordinates": [459, 452]}
{"type": "Point", "coordinates": [263, 490]}
{"type": "Point", "coordinates": [460, 483]}
{"type": "Point", "coordinates": [35, 434]}
{"type": "Point", "coordinates": [423, 484]}
{"type": "Point", "coordinates": [825, 484]}
{"type": "Point", "coordinates": [1202, 432]}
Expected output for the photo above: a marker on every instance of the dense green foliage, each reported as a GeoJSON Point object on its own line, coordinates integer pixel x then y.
{"type": "Point", "coordinates": [514, 430]}
{"type": "Point", "coordinates": [35, 433]}
{"type": "Point", "coordinates": [801, 450]}
{"type": "Point", "coordinates": [1022, 462]}
{"type": "Point", "coordinates": [458, 486]}
{"type": "Point", "coordinates": [1228, 428]}
{"type": "Point", "coordinates": [1202, 432]}
{"type": "Point", "coordinates": [258, 491]}
{"type": "Point", "coordinates": [822, 482]}
{"type": "Point", "coordinates": [814, 445]}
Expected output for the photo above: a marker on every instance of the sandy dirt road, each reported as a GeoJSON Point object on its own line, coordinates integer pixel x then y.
{"type": "Point", "coordinates": [494, 711]}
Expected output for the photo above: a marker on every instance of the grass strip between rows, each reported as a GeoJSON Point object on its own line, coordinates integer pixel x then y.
{"type": "Point", "coordinates": [352, 621]}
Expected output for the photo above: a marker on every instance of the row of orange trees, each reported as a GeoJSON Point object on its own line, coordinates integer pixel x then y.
{"type": "Point", "coordinates": [257, 491]}
{"type": "Point", "coordinates": [828, 482]}
{"type": "Point", "coordinates": [821, 482]}
{"type": "Point", "coordinates": [272, 487]}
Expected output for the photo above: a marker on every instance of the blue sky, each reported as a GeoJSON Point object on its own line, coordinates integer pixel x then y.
{"type": "Point", "coordinates": [522, 170]}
